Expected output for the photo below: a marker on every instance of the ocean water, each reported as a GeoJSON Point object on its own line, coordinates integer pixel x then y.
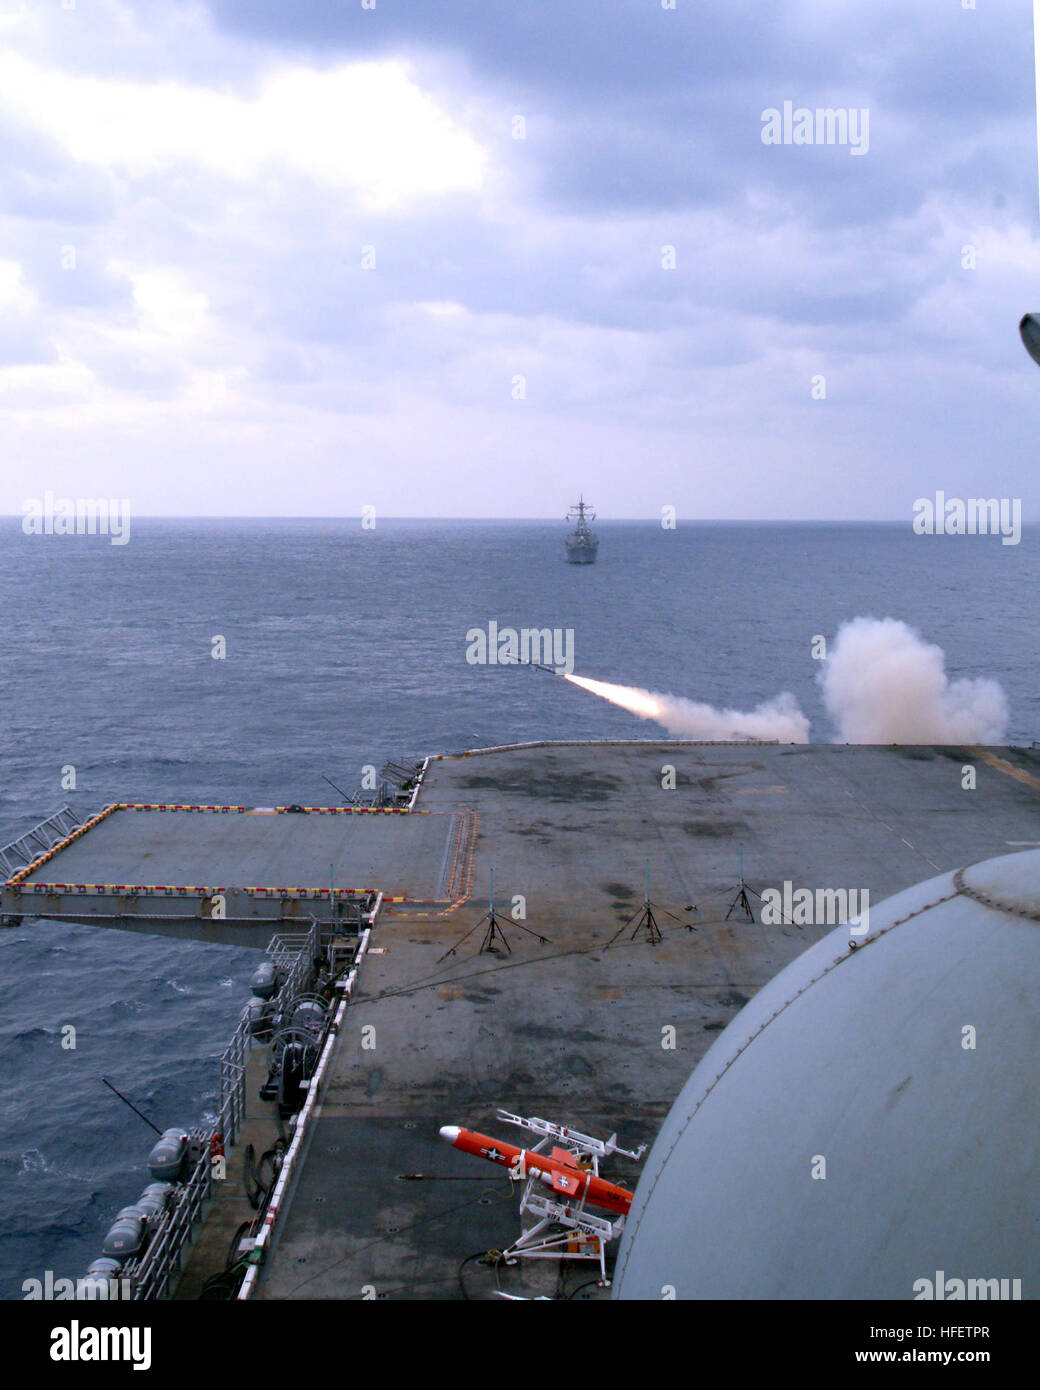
{"type": "Point", "coordinates": [345, 647]}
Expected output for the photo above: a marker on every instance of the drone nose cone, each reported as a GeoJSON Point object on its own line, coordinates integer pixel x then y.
{"type": "Point", "coordinates": [450, 1133]}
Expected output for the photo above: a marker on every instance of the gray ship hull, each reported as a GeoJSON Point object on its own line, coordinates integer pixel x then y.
{"type": "Point", "coordinates": [581, 543]}
{"type": "Point", "coordinates": [581, 552]}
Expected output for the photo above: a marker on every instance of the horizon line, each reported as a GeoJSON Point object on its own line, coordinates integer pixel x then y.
{"type": "Point", "coordinates": [703, 521]}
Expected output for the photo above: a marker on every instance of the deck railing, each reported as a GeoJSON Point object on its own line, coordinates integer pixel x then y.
{"type": "Point", "coordinates": [296, 954]}
{"type": "Point", "coordinates": [155, 1275]}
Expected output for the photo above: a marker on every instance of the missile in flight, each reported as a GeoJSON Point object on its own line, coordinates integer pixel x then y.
{"type": "Point", "coordinates": [558, 1169]}
{"type": "Point", "coordinates": [537, 666]}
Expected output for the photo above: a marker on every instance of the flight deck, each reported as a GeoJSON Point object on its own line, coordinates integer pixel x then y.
{"type": "Point", "coordinates": [235, 874]}
{"type": "Point", "coordinates": [502, 957]}
{"type": "Point", "coordinates": [597, 1027]}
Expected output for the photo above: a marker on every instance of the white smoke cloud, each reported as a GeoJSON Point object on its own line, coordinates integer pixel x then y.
{"type": "Point", "coordinates": [883, 683]}
{"type": "Point", "coordinates": [780, 719]}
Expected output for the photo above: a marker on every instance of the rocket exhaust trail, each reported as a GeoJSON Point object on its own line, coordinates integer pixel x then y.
{"type": "Point", "coordinates": [779, 719]}
{"type": "Point", "coordinates": [882, 683]}
{"type": "Point", "coordinates": [642, 702]}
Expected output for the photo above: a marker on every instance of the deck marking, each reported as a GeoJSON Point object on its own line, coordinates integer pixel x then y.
{"type": "Point", "coordinates": [1001, 764]}
{"type": "Point", "coordinates": [874, 816]}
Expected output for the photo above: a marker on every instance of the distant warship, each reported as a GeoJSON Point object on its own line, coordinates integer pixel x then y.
{"type": "Point", "coordinates": [581, 543]}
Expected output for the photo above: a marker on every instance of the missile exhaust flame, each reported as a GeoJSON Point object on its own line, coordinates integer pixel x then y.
{"type": "Point", "coordinates": [636, 701]}
{"type": "Point", "coordinates": [779, 719]}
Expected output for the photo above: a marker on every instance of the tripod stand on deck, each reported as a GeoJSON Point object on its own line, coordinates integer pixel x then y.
{"type": "Point", "coordinates": [741, 900]}
{"type": "Point", "coordinates": [645, 920]}
{"type": "Point", "coordinates": [493, 930]}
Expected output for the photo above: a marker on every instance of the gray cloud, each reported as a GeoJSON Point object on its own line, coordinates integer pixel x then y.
{"type": "Point", "coordinates": [266, 338]}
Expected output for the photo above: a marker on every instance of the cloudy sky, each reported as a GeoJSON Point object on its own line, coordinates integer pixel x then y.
{"type": "Point", "coordinates": [295, 257]}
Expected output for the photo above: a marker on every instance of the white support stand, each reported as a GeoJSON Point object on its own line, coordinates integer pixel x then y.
{"type": "Point", "coordinates": [584, 1236]}
{"type": "Point", "coordinates": [564, 1230]}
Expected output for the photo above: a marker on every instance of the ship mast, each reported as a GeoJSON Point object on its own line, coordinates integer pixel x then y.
{"type": "Point", "coordinates": [579, 511]}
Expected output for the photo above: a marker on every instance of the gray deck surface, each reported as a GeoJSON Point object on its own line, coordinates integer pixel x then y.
{"type": "Point", "coordinates": [402, 854]}
{"type": "Point", "coordinates": [572, 1031]}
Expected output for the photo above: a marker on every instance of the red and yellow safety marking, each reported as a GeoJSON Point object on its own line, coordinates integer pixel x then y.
{"type": "Point", "coordinates": [212, 890]}
{"type": "Point", "coordinates": [174, 806]}
{"type": "Point", "coordinates": [270, 810]}
{"type": "Point", "coordinates": [192, 889]}
{"type": "Point", "coordinates": [355, 810]}
{"type": "Point", "coordinates": [134, 889]}
{"type": "Point", "coordinates": [42, 859]}
{"type": "Point", "coordinates": [463, 844]}
{"type": "Point", "coordinates": [309, 892]}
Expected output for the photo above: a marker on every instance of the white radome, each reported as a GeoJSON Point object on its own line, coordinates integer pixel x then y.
{"type": "Point", "coordinates": [861, 1057]}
